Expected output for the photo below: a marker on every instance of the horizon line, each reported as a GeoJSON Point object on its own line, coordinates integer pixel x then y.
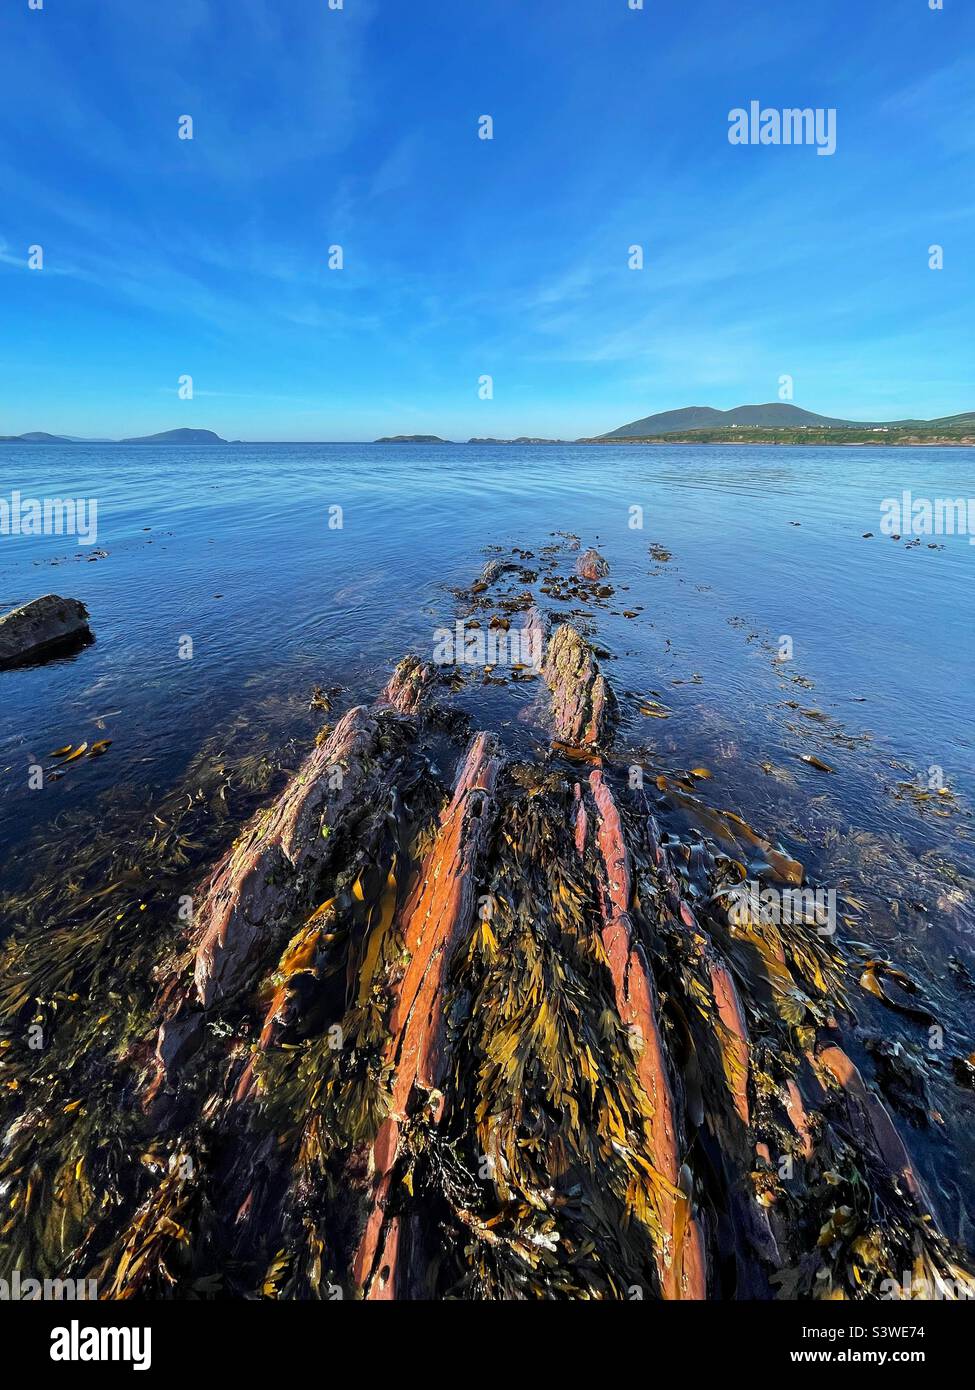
{"type": "Point", "coordinates": [579, 439]}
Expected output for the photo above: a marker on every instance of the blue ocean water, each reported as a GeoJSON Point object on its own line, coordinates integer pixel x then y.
{"type": "Point", "coordinates": [233, 547]}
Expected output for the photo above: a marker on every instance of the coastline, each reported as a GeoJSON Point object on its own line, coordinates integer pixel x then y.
{"type": "Point", "coordinates": [734, 437]}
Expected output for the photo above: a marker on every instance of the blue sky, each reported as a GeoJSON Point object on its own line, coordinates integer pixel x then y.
{"type": "Point", "coordinates": [465, 257]}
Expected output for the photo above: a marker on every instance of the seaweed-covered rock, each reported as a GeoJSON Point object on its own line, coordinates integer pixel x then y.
{"type": "Point", "coordinates": [411, 685]}
{"type": "Point", "coordinates": [680, 1256]}
{"type": "Point", "coordinates": [583, 707]}
{"type": "Point", "coordinates": [274, 868]}
{"type": "Point", "coordinates": [437, 917]}
{"type": "Point", "coordinates": [44, 628]}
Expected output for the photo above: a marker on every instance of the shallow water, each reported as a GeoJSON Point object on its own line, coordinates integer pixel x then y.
{"type": "Point", "coordinates": [232, 547]}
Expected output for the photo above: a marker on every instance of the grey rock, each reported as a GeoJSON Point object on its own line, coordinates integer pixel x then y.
{"type": "Point", "coordinates": [45, 627]}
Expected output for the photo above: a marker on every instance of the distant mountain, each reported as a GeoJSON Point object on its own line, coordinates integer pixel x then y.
{"type": "Point", "coordinates": [167, 437]}
{"type": "Point", "coordinates": [42, 437]}
{"type": "Point", "coordinates": [774, 415]}
{"type": "Point", "coordinates": [965, 421]}
{"type": "Point", "coordinates": [178, 437]}
{"type": "Point", "coordinates": [703, 417]}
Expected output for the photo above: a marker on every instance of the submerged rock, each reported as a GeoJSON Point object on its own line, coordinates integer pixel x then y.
{"type": "Point", "coordinates": [44, 628]}
{"type": "Point", "coordinates": [592, 565]}
{"type": "Point", "coordinates": [534, 633]}
{"type": "Point", "coordinates": [494, 569]}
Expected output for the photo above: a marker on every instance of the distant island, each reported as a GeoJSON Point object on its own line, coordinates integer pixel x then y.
{"type": "Point", "coordinates": [412, 439]}
{"type": "Point", "coordinates": [435, 439]}
{"type": "Point", "coordinates": [178, 437]}
{"type": "Point", "coordinates": [182, 436]}
{"type": "Point", "coordinates": [42, 437]}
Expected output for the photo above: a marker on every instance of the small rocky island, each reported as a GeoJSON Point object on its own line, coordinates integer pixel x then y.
{"type": "Point", "coordinates": [182, 436]}
{"type": "Point", "coordinates": [411, 439]}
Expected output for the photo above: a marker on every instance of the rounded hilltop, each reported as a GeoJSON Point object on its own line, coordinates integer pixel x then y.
{"type": "Point", "coordinates": [411, 439]}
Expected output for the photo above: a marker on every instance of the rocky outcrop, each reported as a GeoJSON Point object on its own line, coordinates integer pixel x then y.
{"type": "Point", "coordinates": [44, 628]}
{"type": "Point", "coordinates": [273, 870]}
{"type": "Point", "coordinates": [437, 917]}
{"type": "Point", "coordinates": [583, 707]}
{"type": "Point", "coordinates": [680, 1255]}
{"type": "Point", "coordinates": [411, 686]}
